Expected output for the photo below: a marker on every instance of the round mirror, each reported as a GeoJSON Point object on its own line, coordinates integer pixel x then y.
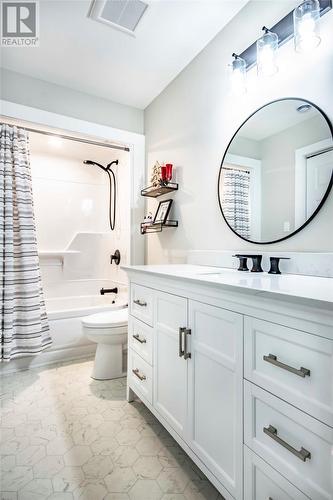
{"type": "Point", "coordinates": [277, 171]}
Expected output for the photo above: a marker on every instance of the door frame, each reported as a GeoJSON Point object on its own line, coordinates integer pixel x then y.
{"type": "Point", "coordinates": [301, 155]}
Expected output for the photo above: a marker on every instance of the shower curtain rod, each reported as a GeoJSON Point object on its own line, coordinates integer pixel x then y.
{"type": "Point", "coordinates": [236, 169]}
{"type": "Point", "coordinates": [72, 138]}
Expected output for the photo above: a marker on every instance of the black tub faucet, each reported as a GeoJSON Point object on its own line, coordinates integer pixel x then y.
{"type": "Point", "coordinates": [103, 291]}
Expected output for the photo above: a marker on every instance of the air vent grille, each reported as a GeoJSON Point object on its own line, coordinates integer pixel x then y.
{"type": "Point", "coordinates": [121, 14]}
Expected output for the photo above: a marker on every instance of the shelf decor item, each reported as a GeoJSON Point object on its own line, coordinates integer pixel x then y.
{"type": "Point", "coordinates": [156, 175]}
{"type": "Point", "coordinates": [168, 172]}
{"type": "Point", "coordinates": [162, 211]}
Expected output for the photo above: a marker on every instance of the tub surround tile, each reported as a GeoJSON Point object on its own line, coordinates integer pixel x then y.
{"type": "Point", "coordinates": [87, 442]}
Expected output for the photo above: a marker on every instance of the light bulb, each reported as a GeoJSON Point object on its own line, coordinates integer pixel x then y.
{"type": "Point", "coordinates": [306, 30]}
{"type": "Point", "coordinates": [238, 75]}
{"type": "Point", "coordinates": [267, 47]}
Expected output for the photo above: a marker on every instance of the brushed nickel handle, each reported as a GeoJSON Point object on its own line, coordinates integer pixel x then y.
{"type": "Point", "coordinates": [137, 374]}
{"type": "Point", "coordinates": [302, 454]}
{"type": "Point", "coordinates": [137, 337]}
{"type": "Point", "coordinates": [140, 303]}
{"type": "Point", "coordinates": [187, 354]}
{"type": "Point", "coordinates": [302, 372]}
{"type": "Point", "coordinates": [181, 351]}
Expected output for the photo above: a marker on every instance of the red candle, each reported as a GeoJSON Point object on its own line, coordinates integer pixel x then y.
{"type": "Point", "coordinates": [163, 173]}
{"type": "Point", "coordinates": [168, 168]}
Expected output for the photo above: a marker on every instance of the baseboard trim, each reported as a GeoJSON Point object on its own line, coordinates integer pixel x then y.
{"type": "Point", "coordinates": [48, 358]}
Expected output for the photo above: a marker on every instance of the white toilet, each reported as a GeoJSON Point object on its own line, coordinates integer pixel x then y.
{"type": "Point", "coordinates": [109, 331]}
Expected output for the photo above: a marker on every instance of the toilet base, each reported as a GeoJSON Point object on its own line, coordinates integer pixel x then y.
{"type": "Point", "coordinates": [108, 362]}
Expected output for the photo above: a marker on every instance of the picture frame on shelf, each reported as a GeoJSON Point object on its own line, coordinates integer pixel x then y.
{"type": "Point", "coordinates": [162, 211]}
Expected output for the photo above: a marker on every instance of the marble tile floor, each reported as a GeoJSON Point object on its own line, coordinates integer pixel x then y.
{"type": "Point", "coordinates": [65, 436]}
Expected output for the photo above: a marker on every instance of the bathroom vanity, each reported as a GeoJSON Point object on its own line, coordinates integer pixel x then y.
{"type": "Point", "coordinates": [239, 369]}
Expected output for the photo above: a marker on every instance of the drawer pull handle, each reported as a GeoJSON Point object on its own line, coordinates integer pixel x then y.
{"type": "Point", "coordinates": [302, 372]}
{"type": "Point", "coordinates": [138, 374]}
{"type": "Point", "coordinates": [181, 351]}
{"type": "Point", "coordinates": [140, 303]}
{"type": "Point", "coordinates": [137, 337]}
{"type": "Point", "coordinates": [187, 354]}
{"type": "Point", "coordinates": [302, 454]}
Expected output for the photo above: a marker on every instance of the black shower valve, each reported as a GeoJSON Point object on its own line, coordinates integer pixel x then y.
{"type": "Point", "coordinates": [115, 258]}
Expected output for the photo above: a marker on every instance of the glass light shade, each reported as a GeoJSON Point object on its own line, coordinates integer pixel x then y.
{"type": "Point", "coordinates": [238, 75]}
{"type": "Point", "coordinates": [267, 47]}
{"type": "Point", "coordinates": [306, 29]}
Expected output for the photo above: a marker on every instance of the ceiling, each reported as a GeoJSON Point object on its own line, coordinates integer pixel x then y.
{"type": "Point", "coordinates": [276, 118]}
{"type": "Point", "coordinates": [87, 56]}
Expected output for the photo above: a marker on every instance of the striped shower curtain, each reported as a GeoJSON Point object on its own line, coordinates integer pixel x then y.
{"type": "Point", "coordinates": [236, 200]}
{"type": "Point", "coordinates": [24, 325]}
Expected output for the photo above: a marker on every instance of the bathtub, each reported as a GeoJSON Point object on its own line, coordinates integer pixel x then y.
{"type": "Point", "coordinates": [83, 305]}
{"type": "Point", "coordinates": [64, 314]}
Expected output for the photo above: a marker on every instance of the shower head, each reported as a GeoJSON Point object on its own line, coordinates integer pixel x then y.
{"type": "Point", "coordinates": [91, 162]}
{"type": "Point", "coordinates": [109, 165]}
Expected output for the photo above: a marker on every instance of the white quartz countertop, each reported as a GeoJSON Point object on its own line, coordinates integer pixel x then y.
{"type": "Point", "coordinates": [288, 285]}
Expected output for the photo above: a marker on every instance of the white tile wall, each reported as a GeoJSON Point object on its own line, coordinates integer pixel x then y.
{"type": "Point", "coordinates": [71, 202]}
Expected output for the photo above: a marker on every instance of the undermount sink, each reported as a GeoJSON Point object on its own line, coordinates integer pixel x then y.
{"type": "Point", "coordinates": [217, 272]}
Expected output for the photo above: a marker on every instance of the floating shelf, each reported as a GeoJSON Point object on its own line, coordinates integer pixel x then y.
{"type": "Point", "coordinates": [157, 227]}
{"type": "Point", "coordinates": [154, 192]}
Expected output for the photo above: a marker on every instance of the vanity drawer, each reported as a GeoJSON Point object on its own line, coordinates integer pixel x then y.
{"type": "Point", "coordinates": [141, 304]}
{"type": "Point", "coordinates": [295, 444]}
{"type": "Point", "coordinates": [262, 482]}
{"type": "Point", "coordinates": [140, 376]}
{"type": "Point", "coordinates": [295, 366]}
{"type": "Point", "coordinates": [140, 339]}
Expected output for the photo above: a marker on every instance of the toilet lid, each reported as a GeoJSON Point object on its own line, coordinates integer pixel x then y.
{"type": "Point", "coordinates": [114, 318]}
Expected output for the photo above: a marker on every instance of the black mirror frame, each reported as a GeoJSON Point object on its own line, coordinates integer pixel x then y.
{"type": "Point", "coordinates": [324, 198]}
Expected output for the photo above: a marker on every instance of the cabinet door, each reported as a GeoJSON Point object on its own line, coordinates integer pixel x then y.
{"type": "Point", "coordinates": [215, 392]}
{"type": "Point", "coordinates": [170, 370]}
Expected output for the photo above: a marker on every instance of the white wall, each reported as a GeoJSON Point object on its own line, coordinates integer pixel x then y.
{"type": "Point", "coordinates": [192, 121]}
{"type": "Point", "coordinates": [71, 202]}
{"type": "Point", "coordinates": [23, 89]}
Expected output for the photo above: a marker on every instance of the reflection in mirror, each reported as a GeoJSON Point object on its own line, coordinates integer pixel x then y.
{"type": "Point", "coordinates": [277, 171]}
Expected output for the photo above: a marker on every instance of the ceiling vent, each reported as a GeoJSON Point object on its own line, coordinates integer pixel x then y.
{"type": "Point", "coordinates": [120, 14]}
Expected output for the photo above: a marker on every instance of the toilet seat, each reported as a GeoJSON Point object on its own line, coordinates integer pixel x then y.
{"type": "Point", "coordinates": [111, 319]}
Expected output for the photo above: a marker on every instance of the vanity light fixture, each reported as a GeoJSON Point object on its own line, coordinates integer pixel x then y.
{"type": "Point", "coordinates": [300, 24]}
{"type": "Point", "coordinates": [238, 74]}
{"type": "Point", "coordinates": [306, 27]}
{"type": "Point", "coordinates": [267, 47]}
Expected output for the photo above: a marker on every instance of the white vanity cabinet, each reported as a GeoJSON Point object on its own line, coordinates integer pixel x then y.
{"type": "Point", "coordinates": [244, 385]}
{"type": "Point", "coordinates": [215, 375]}
{"type": "Point", "coordinates": [170, 370]}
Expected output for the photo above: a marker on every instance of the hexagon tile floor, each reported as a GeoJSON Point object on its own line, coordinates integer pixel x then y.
{"type": "Point", "coordinates": [65, 436]}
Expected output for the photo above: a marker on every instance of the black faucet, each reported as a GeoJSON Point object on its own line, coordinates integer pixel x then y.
{"type": "Point", "coordinates": [242, 262]}
{"type": "Point", "coordinates": [103, 291]}
{"type": "Point", "coordinates": [275, 264]}
{"type": "Point", "coordinates": [256, 262]}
